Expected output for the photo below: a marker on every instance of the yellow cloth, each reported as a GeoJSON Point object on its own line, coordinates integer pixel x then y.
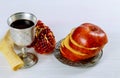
{"type": "Point", "coordinates": [7, 48]}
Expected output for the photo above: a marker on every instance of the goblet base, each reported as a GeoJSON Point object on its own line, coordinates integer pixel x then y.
{"type": "Point", "coordinates": [83, 63]}
{"type": "Point", "coordinates": [29, 59]}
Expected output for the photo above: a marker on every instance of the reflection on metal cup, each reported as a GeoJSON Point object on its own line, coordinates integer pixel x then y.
{"type": "Point", "coordinates": [22, 32]}
{"type": "Point", "coordinates": [22, 28]}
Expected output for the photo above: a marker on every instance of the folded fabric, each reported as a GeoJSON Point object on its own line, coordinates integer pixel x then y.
{"type": "Point", "coordinates": [7, 49]}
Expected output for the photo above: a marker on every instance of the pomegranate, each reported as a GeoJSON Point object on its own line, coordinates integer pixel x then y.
{"type": "Point", "coordinates": [44, 41]}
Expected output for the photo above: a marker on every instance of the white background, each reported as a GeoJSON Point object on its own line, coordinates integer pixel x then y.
{"type": "Point", "coordinates": [61, 16]}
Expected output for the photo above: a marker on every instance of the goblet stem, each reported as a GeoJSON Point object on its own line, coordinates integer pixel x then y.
{"type": "Point", "coordinates": [28, 58]}
{"type": "Point", "coordinates": [24, 52]}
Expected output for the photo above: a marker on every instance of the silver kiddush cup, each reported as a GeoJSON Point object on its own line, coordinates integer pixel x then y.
{"type": "Point", "coordinates": [22, 32]}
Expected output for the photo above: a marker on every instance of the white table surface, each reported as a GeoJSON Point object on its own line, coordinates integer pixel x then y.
{"type": "Point", "coordinates": [61, 16]}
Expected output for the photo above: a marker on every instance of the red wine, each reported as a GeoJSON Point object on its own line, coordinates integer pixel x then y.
{"type": "Point", "coordinates": [22, 24]}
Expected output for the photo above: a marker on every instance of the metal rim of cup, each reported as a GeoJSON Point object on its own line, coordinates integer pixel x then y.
{"type": "Point", "coordinates": [22, 15]}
